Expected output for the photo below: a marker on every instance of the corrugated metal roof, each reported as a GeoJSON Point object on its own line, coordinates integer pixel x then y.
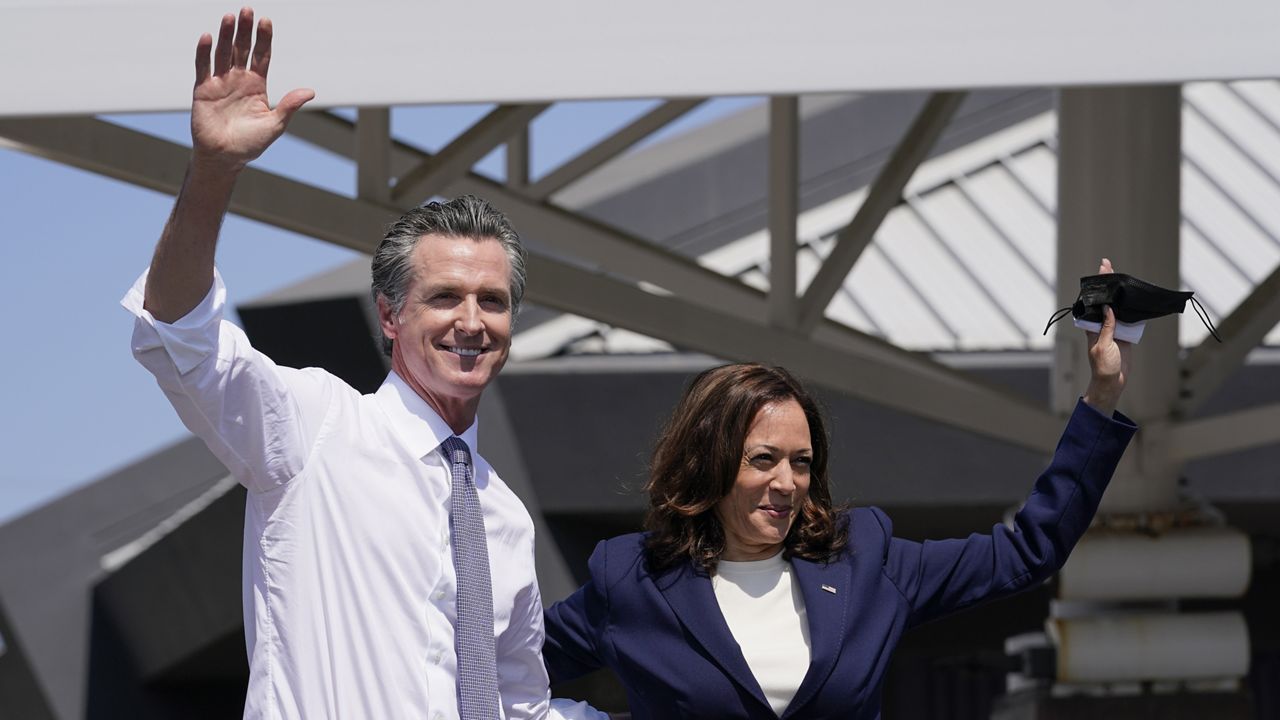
{"type": "Point", "coordinates": [967, 262]}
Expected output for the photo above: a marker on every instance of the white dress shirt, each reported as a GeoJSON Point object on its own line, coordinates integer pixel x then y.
{"type": "Point", "coordinates": [765, 612]}
{"type": "Point", "coordinates": [349, 589]}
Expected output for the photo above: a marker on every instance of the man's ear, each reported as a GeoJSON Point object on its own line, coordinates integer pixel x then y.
{"type": "Point", "coordinates": [386, 318]}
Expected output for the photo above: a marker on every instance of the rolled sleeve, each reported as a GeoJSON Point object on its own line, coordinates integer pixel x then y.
{"type": "Point", "coordinates": [188, 341]}
{"type": "Point", "coordinates": [261, 420]}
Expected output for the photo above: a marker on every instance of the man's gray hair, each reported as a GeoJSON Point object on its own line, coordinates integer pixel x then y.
{"type": "Point", "coordinates": [463, 217]}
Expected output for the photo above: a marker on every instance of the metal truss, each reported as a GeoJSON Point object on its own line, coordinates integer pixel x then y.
{"type": "Point", "coordinates": [583, 266]}
{"type": "Point", "coordinates": [1211, 363]}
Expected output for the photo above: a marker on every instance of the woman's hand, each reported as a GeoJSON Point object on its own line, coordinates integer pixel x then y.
{"type": "Point", "coordinates": [1108, 361]}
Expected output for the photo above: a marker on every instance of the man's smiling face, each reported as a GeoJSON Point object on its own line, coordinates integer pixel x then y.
{"type": "Point", "coordinates": [454, 332]}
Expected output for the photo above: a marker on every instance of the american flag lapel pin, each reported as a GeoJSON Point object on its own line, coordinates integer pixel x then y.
{"type": "Point", "coordinates": [828, 588]}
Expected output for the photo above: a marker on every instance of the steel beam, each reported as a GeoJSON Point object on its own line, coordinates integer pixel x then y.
{"type": "Point", "coordinates": [1211, 362]}
{"type": "Point", "coordinates": [611, 147]}
{"type": "Point", "coordinates": [434, 173]}
{"type": "Point", "coordinates": [1220, 434]}
{"type": "Point", "coordinates": [732, 312]}
{"type": "Point", "coordinates": [1119, 164]}
{"type": "Point", "coordinates": [784, 208]}
{"type": "Point", "coordinates": [335, 134]}
{"type": "Point", "coordinates": [158, 164]}
{"type": "Point", "coordinates": [885, 193]}
{"type": "Point", "coordinates": [373, 154]}
{"type": "Point", "coordinates": [518, 159]}
{"type": "Point", "coordinates": [694, 327]}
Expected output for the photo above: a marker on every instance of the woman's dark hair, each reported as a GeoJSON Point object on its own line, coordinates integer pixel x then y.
{"type": "Point", "coordinates": [695, 464]}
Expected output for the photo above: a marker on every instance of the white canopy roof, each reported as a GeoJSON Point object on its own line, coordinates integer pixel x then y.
{"type": "Point", "coordinates": [93, 56]}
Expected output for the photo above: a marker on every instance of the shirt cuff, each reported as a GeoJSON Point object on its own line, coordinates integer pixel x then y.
{"type": "Point", "coordinates": [562, 709]}
{"type": "Point", "coordinates": [189, 339]}
{"type": "Point", "coordinates": [1128, 332]}
{"type": "Point", "coordinates": [1092, 415]}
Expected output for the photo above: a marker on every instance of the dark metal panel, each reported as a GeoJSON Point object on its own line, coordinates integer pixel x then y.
{"type": "Point", "coordinates": [182, 593]}
{"type": "Point", "coordinates": [51, 557]}
{"type": "Point", "coordinates": [333, 334]}
{"type": "Point", "coordinates": [20, 693]}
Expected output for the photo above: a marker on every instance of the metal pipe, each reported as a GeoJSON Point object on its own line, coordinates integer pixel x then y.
{"type": "Point", "coordinates": [1203, 562]}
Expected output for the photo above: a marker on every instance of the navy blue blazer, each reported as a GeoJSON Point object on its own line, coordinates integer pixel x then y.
{"type": "Point", "coordinates": [665, 638]}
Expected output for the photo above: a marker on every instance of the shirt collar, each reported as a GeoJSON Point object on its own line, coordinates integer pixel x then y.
{"type": "Point", "coordinates": [419, 426]}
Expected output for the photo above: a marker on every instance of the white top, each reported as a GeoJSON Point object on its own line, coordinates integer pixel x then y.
{"type": "Point", "coordinates": [349, 592]}
{"type": "Point", "coordinates": [765, 613]}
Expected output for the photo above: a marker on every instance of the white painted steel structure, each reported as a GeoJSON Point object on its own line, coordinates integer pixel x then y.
{"type": "Point", "coordinates": [1152, 646]}
{"type": "Point", "coordinates": [394, 52]}
{"type": "Point", "coordinates": [967, 262]}
{"type": "Point", "coordinates": [1197, 562]}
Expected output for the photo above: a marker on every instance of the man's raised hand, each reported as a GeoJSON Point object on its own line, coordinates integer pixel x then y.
{"type": "Point", "coordinates": [231, 124]}
{"type": "Point", "coordinates": [232, 121]}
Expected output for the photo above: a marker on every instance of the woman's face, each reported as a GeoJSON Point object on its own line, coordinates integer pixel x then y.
{"type": "Point", "coordinates": [772, 483]}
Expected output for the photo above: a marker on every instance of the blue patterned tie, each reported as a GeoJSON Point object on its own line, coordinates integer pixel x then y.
{"type": "Point", "coordinates": [473, 633]}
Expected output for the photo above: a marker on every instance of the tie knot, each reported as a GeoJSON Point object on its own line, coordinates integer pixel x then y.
{"type": "Point", "coordinates": [455, 448]}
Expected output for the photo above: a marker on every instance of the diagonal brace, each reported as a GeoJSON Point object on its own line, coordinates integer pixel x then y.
{"type": "Point", "coordinates": [433, 174]}
{"type": "Point", "coordinates": [885, 193]}
{"type": "Point", "coordinates": [1210, 363]}
{"type": "Point", "coordinates": [611, 147]}
{"type": "Point", "coordinates": [157, 164]}
{"type": "Point", "coordinates": [1227, 433]}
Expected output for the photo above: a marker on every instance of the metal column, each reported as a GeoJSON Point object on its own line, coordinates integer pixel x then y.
{"type": "Point", "coordinates": [1119, 158]}
{"type": "Point", "coordinates": [1119, 163]}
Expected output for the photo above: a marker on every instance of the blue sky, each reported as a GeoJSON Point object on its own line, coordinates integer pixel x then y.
{"type": "Point", "coordinates": [71, 243]}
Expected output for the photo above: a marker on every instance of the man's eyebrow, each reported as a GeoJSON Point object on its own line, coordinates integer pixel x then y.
{"type": "Point", "coordinates": [433, 288]}
{"type": "Point", "coordinates": [445, 286]}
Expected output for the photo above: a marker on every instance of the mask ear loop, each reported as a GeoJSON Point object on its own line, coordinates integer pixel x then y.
{"type": "Point", "coordinates": [1057, 315]}
{"type": "Point", "coordinates": [1204, 317]}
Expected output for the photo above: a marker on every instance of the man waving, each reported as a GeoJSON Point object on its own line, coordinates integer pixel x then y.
{"type": "Point", "coordinates": [388, 570]}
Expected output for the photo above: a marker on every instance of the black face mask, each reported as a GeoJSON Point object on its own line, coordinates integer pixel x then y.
{"type": "Point", "coordinates": [1131, 299]}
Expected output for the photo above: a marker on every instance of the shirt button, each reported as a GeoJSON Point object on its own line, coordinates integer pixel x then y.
{"type": "Point", "coordinates": [438, 716]}
{"type": "Point", "coordinates": [437, 595]}
{"type": "Point", "coordinates": [439, 655]}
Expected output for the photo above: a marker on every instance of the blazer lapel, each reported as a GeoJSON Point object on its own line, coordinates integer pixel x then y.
{"type": "Point", "coordinates": [827, 591]}
{"type": "Point", "coordinates": [690, 595]}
